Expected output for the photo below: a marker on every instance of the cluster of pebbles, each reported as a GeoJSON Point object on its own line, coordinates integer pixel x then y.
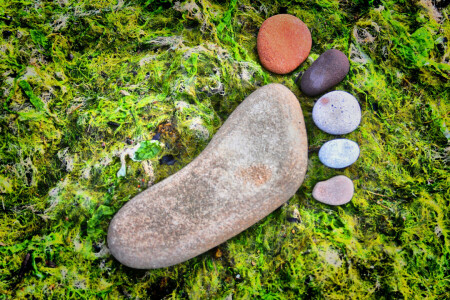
{"type": "Point", "coordinates": [283, 43]}
{"type": "Point", "coordinates": [251, 162]}
{"type": "Point", "coordinates": [336, 113]}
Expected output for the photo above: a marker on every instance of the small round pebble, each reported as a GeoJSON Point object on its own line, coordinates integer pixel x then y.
{"type": "Point", "coordinates": [337, 112]}
{"type": "Point", "coordinates": [283, 43]}
{"type": "Point", "coordinates": [327, 71]}
{"type": "Point", "coordinates": [337, 190]}
{"type": "Point", "coordinates": [339, 153]}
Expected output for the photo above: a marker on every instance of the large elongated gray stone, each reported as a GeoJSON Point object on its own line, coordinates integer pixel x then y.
{"type": "Point", "coordinates": [254, 163]}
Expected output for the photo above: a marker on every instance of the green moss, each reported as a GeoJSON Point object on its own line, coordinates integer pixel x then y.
{"type": "Point", "coordinates": [81, 80]}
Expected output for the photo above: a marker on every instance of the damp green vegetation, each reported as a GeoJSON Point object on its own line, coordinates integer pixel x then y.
{"type": "Point", "coordinates": [83, 82]}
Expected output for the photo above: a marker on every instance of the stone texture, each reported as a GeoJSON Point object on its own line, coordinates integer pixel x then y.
{"type": "Point", "coordinates": [337, 190]}
{"type": "Point", "coordinates": [255, 162]}
{"type": "Point", "coordinates": [339, 153]}
{"type": "Point", "coordinates": [337, 112]}
{"type": "Point", "coordinates": [283, 43]}
{"type": "Point", "coordinates": [327, 71]}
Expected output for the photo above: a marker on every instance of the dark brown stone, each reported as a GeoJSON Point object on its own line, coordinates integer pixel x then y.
{"type": "Point", "coordinates": [283, 43]}
{"type": "Point", "coordinates": [327, 71]}
{"type": "Point", "coordinates": [255, 162]}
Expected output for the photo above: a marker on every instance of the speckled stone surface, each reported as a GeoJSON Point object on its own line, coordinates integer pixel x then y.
{"type": "Point", "coordinates": [327, 71]}
{"type": "Point", "coordinates": [337, 112]}
{"type": "Point", "coordinates": [339, 153]}
{"type": "Point", "coordinates": [283, 43]}
{"type": "Point", "coordinates": [255, 162]}
{"type": "Point", "coordinates": [337, 190]}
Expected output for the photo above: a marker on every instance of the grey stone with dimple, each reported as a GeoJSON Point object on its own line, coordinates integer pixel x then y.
{"type": "Point", "coordinates": [327, 71]}
{"type": "Point", "coordinates": [255, 162]}
{"type": "Point", "coordinates": [339, 153]}
{"type": "Point", "coordinates": [337, 112]}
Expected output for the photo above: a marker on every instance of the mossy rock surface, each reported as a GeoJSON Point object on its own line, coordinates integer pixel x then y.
{"type": "Point", "coordinates": [82, 82]}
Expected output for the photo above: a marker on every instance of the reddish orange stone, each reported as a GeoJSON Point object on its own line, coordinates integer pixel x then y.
{"type": "Point", "coordinates": [283, 43]}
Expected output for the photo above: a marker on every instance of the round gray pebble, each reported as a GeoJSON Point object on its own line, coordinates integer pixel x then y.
{"type": "Point", "coordinates": [339, 153]}
{"type": "Point", "coordinates": [337, 112]}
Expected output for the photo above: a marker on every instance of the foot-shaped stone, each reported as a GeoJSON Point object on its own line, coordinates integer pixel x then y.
{"type": "Point", "coordinates": [255, 162]}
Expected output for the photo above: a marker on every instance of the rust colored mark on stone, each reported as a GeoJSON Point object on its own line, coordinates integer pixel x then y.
{"type": "Point", "coordinates": [258, 175]}
{"type": "Point", "coordinates": [324, 101]}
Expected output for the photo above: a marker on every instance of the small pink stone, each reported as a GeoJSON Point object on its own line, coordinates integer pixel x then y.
{"type": "Point", "coordinates": [337, 190]}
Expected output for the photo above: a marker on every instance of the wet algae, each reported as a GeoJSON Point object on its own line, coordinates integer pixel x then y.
{"type": "Point", "coordinates": [82, 82]}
